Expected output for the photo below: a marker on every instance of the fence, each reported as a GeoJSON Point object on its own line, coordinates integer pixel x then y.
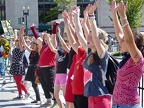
{"type": "Point", "coordinates": [141, 90]}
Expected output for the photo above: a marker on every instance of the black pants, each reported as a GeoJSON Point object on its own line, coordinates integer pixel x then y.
{"type": "Point", "coordinates": [80, 101]}
{"type": "Point", "coordinates": [46, 79]}
{"type": "Point", "coordinates": [36, 90]}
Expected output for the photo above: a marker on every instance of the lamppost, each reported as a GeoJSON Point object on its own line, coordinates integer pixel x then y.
{"type": "Point", "coordinates": [26, 13]}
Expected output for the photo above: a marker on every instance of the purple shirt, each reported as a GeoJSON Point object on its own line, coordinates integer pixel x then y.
{"type": "Point", "coordinates": [128, 77]}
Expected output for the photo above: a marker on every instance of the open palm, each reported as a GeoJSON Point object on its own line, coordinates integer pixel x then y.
{"type": "Point", "coordinates": [92, 8]}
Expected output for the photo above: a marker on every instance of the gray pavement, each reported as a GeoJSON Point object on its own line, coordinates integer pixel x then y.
{"type": "Point", "coordinates": [8, 91]}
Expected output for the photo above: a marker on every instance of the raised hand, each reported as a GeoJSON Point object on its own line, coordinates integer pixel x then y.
{"type": "Point", "coordinates": [58, 30]}
{"type": "Point", "coordinates": [113, 7]}
{"type": "Point", "coordinates": [76, 10]}
{"type": "Point", "coordinates": [122, 9]}
{"type": "Point", "coordinates": [65, 16]}
{"type": "Point", "coordinates": [85, 14]}
{"type": "Point", "coordinates": [92, 8]}
{"type": "Point", "coordinates": [22, 31]}
{"type": "Point", "coordinates": [33, 25]}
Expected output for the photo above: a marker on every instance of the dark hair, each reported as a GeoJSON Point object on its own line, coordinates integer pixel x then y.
{"type": "Point", "coordinates": [139, 40]}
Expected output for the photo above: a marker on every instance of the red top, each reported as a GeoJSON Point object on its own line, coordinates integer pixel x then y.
{"type": "Point", "coordinates": [78, 83]}
{"type": "Point", "coordinates": [47, 57]}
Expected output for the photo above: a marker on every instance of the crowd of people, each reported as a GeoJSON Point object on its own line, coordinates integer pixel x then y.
{"type": "Point", "coordinates": [83, 53]}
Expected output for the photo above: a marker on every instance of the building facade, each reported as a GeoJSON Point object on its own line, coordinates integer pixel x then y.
{"type": "Point", "coordinates": [39, 10]}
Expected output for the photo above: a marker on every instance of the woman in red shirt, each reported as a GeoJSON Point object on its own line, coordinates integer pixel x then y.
{"type": "Point", "coordinates": [80, 101]}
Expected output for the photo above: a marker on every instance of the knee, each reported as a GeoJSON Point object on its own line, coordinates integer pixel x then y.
{"type": "Point", "coordinates": [56, 95]}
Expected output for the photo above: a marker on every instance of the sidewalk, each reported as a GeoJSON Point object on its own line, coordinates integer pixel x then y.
{"type": "Point", "coordinates": [9, 91]}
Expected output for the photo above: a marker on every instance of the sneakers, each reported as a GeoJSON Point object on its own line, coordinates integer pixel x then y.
{"type": "Point", "coordinates": [47, 104]}
{"type": "Point", "coordinates": [18, 97]}
{"type": "Point", "coordinates": [27, 95]}
{"type": "Point", "coordinates": [4, 82]}
{"type": "Point", "coordinates": [36, 102]}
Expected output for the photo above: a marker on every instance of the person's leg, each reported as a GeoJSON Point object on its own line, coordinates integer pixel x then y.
{"type": "Point", "coordinates": [2, 72]}
{"type": "Point", "coordinates": [43, 79]}
{"type": "Point", "coordinates": [80, 101]}
{"type": "Point", "coordinates": [17, 81]}
{"type": "Point", "coordinates": [69, 97]}
{"type": "Point", "coordinates": [56, 95]}
{"type": "Point", "coordinates": [23, 87]}
{"type": "Point", "coordinates": [71, 105]}
{"type": "Point", "coordinates": [46, 79]}
{"type": "Point", "coordinates": [36, 90]}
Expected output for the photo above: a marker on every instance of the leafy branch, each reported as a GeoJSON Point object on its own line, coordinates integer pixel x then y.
{"type": "Point", "coordinates": [134, 12]}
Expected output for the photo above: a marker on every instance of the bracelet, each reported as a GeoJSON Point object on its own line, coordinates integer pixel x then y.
{"type": "Point", "coordinates": [125, 18]}
{"type": "Point", "coordinates": [125, 24]}
{"type": "Point", "coordinates": [92, 15]}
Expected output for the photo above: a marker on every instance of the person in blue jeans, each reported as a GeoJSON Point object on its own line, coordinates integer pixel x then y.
{"type": "Point", "coordinates": [2, 66]}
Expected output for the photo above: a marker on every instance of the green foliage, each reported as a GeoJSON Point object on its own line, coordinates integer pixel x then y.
{"type": "Point", "coordinates": [65, 4]}
{"type": "Point", "coordinates": [61, 5]}
{"type": "Point", "coordinates": [134, 12]}
{"type": "Point", "coordinates": [118, 53]}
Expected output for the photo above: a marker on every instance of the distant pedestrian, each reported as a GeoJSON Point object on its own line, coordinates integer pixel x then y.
{"type": "Point", "coordinates": [2, 64]}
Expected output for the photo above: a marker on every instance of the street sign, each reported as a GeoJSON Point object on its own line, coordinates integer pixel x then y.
{"type": "Point", "coordinates": [8, 30]}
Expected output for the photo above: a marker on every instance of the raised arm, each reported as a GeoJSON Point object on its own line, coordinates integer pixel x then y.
{"type": "Point", "coordinates": [25, 45]}
{"type": "Point", "coordinates": [128, 35]}
{"type": "Point", "coordinates": [53, 37]}
{"type": "Point", "coordinates": [20, 38]}
{"type": "Point", "coordinates": [53, 49]}
{"type": "Point", "coordinates": [78, 28]}
{"type": "Point", "coordinates": [95, 33]}
{"type": "Point", "coordinates": [70, 35]}
{"type": "Point", "coordinates": [36, 35]}
{"type": "Point", "coordinates": [15, 34]}
{"type": "Point", "coordinates": [85, 24]}
{"type": "Point", "coordinates": [64, 45]}
{"type": "Point", "coordinates": [117, 26]}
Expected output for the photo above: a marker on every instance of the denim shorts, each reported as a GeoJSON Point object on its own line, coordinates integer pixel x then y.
{"type": "Point", "coordinates": [126, 106]}
{"type": "Point", "coordinates": [60, 79]}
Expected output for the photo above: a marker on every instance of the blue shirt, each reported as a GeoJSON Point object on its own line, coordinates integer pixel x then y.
{"type": "Point", "coordinates": [95, 87]}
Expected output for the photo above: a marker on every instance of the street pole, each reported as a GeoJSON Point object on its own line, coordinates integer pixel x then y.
{"type": "Point", "coordinates": [26, 14]}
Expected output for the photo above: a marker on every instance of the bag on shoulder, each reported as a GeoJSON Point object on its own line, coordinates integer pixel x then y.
{"type": "Point", "coordinates": [111, 74]}
{"type": "Point", "coordinates": [109, 79]}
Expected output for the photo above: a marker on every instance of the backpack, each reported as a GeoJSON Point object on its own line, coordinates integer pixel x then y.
{"type": "Point", "coordinates": [111, 74]}
{"type": "Point", "coordinates": [110, 77]}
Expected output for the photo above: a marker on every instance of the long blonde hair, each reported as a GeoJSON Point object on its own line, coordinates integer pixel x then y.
{"type": "Point", "coordinates": [102, 40]}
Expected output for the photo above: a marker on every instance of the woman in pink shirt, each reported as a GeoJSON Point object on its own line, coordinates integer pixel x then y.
{"type": "Point", "coordinates": [131, 69]}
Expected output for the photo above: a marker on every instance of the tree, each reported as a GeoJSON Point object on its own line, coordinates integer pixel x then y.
{"type": "Point", "coordinates": [61, 5]}
{"type": "Point", "coordinates": [134, 12]}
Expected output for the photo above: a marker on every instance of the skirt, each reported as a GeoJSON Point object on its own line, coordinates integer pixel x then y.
{"type": "Point", "coordinates": [30, 75]}
{"type": "Point", "coordinates": [17, 69]}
